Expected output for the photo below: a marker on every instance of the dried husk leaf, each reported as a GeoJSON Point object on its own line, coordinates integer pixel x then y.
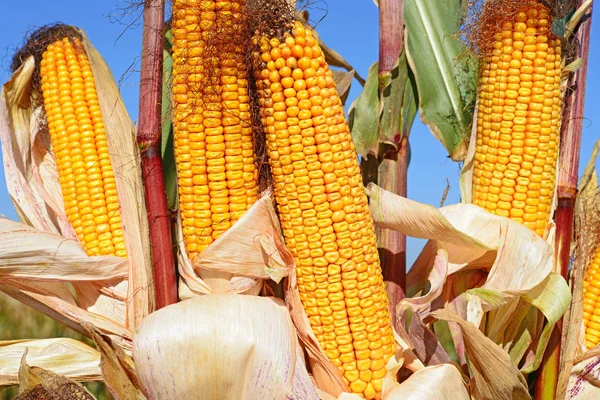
{"type": "Point", "coordinates": [584, 381]}
{"type": "Point", "coordinates": [28, 253]}
{"type": "Point", "coordinates": [439, 382]}
{"type": "Point", "coordinates": [126, 163]}
{"type": "Point", "coordinates": [62, 356]}
{"type": "Point", "coordinates": [492, 264]}
{"type": "Point", "coordinates": [302, 386]}
{"type": "Point", "coordinates": [221, 345]}
{"type": "Point", "coordinates": [494, 375]}
{"type": "Point", "coordinates": [104, 291]}
{"type": "Point", "coordinates": [38, 383]}
{"type": "Point", "coordinates": [117, 368]}
{"type": "Point", "coordinates": [241, 259]}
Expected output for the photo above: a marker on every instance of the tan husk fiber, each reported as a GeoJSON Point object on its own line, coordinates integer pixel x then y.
{"type": "Point", "coordinates": [50, 270]}
{"type": "Point", "coordinates": [63, 356]}
{"type": "Point", "coordinates": [493, 275]}
{"type": "Point", "coordinates": [238, 261]}
{"type": "Point", "coordinates": [225, 346]}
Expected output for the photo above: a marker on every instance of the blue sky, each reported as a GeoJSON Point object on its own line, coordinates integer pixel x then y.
{"type": "Point", "coordinates": [350, 27]}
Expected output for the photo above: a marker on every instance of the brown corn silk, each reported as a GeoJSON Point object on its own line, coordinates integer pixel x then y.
{"type": "Point", "coordinates": [322, 204]}
{"type": "Point", "coordinates": [214, 150]}
{"type": "Point", "coordinates": [79, 142]}
{"type": "Point", "coordinates": [520, 106]}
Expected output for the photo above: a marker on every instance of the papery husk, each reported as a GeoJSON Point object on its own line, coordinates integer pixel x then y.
{"type": "Point", "coordinates": [62, 356]}
{"type": "Point", "coordinates": [240, 260]}
{"type": "Point", "coordinates": [439, 382]}
{"type": "Point", "coordinates": [109, 293]}
{"type": "Point", "coordinates": [493, 265]}
{"type": "Point", "coordinates": [38, 383]}
{"type": "Point", "coordinates": [224, 346]}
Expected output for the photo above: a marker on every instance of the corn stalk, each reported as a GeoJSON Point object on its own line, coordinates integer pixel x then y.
{"type": "Point", "coordinates": [390, 169]}
{"type": "Point", "coordinates": [149, 143]}
{"type": "Point", "coordinates": [567, 194]}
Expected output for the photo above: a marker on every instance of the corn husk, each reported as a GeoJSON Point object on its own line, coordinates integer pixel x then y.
{"type": "Point", "coordinates": [240, 260]}
{"type": "Point", "coordinates": [482, 271]}
{"type": "Point", "coordinates": [63, 356]}
{"type": "Point", "coordinates": [38, 383]}
{"type": "Point", "coordinates": [439, 382]}
{"type": "Point", "coordinates": [49, 270]}
{"type": "Point", "coordinates": [224, 346]}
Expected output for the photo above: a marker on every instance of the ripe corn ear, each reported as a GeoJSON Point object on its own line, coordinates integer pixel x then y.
{"type": "Point", "coordinates": [80, 146]}
{"type": "Point", "coordinates": [214, 151]}
{"type": "Point", "coordinates": [591, 301]}
{"type": "Point", "coordinates": [518, 122]}
{"type": "Point", "coordinates": [323, 208]}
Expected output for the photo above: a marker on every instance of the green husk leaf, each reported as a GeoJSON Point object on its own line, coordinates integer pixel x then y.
{"type": "Point", "coordinates": [445, 75]}
{"type": "Point", "coordinates": [364, 115]}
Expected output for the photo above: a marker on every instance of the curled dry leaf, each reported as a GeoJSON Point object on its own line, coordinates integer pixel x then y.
{"type": "Point", "coordinates": [117, 368]}
{"type": "Point", "coordinates": [113, 294]}
{"type": "Point", "coordinates": [223, 346]}
{"type": "Point", "coordinates": [38, 383]}
{"type": "Point", "coordinates": [439, 382]}
{"type": "Point", "coordinates": [241, 259]}
{"type": "Point", "coordinates": [62, 356]}
{"type": "Point", "coordinates": [496, 268]}
{"type": "Point", "coordinates": [494, 375]}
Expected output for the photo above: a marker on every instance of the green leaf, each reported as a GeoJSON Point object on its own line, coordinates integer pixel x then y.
{"type": "Point", "coordinates": [446, 75]}
{"type": "Point", "coordinates": [364, 115]}
{"type": "Point", "coordinates": [392, 103]}
{"type": "Point", "coordinates": [384, 116]}
{"type": "Point", "coordinates": [168, 155]}
{"type": "Point", "coordinates": [552, 298]}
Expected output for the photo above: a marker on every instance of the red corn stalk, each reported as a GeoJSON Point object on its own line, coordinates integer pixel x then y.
{"type": "Point", "coordinates": [392, 171]}
{"type": "Point", "coordinates": [149, 144]}
{"type": "Point", "coordinates": [566, 193]}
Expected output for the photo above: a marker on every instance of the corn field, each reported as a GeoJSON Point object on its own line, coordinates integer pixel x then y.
{"type": "Point", "coordinates": [245, 235]}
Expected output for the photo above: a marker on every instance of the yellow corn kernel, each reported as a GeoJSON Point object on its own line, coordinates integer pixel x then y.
{"type": "Point", "coordinates": [79, 144]}
{"type": "Point", "coordinates": [211, 118]}
{"type": "Point", "coordinates": [518, 121]}
{"type": "Point", "coordinates": [322, 207]}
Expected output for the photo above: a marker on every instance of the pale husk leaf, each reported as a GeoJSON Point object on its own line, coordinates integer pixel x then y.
{"type": "Point", "coordinates": [439, 382]}
{"type": "Point", "coordinates": [28, 253]}
{"type": "Point", "coordinates": [36, 382]}
{"type": "Point", "coordinates": [507, 262]}
{"type": "Point", "coordinates": [495, 376]}
{"type": "Point", "coordinates": [240, 260]}
{"type": "Point", "coordinates": [100, 283]}
{"type": "Point", "coordinates": [221, 345]}
{"type": "Point", "coordinates": [126, 163]}
{"type": "Point", "coordinates": [117, 368]}
{"type": "Point", "coordinates": [62, 356]}
{"type": "Point", "coordinates": [584, 383]}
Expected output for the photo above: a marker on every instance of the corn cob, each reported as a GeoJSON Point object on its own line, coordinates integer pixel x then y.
{"type": "Point", "coordinates": [80, 146]}
{"type": "Point", "coordinates": [519, 120]}
{"type": "Point", "coordinates": [591, 303]}
{"type": "Point", "coordinates": [323, 208]}
{"type": "Point", "coordinates": [217, 175]}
